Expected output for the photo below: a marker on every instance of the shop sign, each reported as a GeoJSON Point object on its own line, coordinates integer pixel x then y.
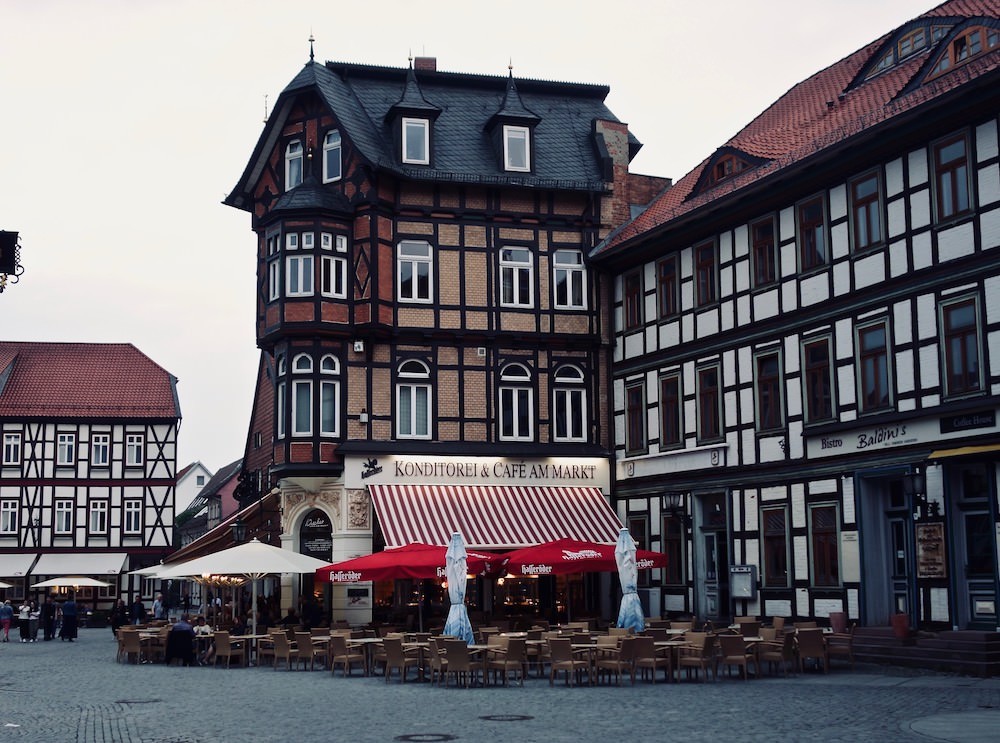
{"type": "Point", "coordinates": [316, 536]}
{"type": "Point", "coordinates": [403, 469]}
{"type": "Point", "coordinates": [969, 421]}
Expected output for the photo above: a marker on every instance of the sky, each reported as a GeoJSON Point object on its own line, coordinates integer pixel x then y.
{"type": "Point", "coordinates": [125, 123]}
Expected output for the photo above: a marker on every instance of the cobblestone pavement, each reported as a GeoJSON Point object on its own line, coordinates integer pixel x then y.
{"type": "Point", "coordinates": [76, 693]}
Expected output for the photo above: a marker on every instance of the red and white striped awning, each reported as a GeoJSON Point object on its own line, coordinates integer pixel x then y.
{"type": "Point", "coordinates": [493, 516]}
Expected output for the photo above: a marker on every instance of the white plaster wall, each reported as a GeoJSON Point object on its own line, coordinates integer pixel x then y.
{"type": "Point", "coordinates": [765, 305]}
{"type": "Point", "coordinates": [918, 167]}
{"type": "Point", "coordinates": [956, 242]}
{"type": "Point", "coordinates": [894, 177]}
{"type": "Point", "coordinates": [869, 270]}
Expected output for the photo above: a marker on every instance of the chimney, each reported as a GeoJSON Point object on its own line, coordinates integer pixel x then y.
{"type": "Point", "coordinates": [428, 64]}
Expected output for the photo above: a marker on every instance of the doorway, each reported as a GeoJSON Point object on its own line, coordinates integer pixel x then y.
{"type": "Point", "coordinates": [974, 545]}
{"type": "Point", "coordinates": [711, 559]}
{"type": "Point", "coordinates": [887, 548]}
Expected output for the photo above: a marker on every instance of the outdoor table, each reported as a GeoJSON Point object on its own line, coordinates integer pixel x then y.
{"type": "Point", "coordinates": [251, 643]}
{"type": "Point", "coordinates": [367, 645]}
{"type": "Point", "coordinates": [422, 646]}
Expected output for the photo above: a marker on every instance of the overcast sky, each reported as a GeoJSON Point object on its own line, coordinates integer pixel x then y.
{"type": "Point", "coordinates": [125, 123]}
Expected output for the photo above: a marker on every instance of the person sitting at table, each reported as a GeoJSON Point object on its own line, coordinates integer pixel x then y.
{"type": "Point", "coordinates": [201, 628]}
{"type": "Point", "coordinates": [240, 627]}
{"type": "Point", "coordinates": [291, 619]}
{"type": "Point", "coordinates": [180, 641]}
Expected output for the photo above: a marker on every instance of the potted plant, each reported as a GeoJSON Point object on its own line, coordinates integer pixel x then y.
{"type": "Point", "coordinates": [900, 625]}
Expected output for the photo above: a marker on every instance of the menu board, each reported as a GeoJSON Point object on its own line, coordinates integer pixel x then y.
{"type": "Point", "coordinates": [930, 551]}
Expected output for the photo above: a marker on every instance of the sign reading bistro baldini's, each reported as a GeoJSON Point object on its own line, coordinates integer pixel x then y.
{"type": "Point", "coordinates": [552, 471]}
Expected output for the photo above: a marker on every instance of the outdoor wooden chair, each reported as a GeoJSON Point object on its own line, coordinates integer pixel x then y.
{"type": "Point", "coordinates": [436, 661]}
{"type": "Point", "coordinates": [659, 634]}
{"type": "Point", "coordinates": [736, 653]}
{"type": "Point", "coordinates": [228, 649]}
{"type": "Point", "coordinates": [778, 623]}
{"type": "Point", "coordinates": [841, 645]}
{"type": "Point", "coordinates": [750, 629]}
{"type": "Point", "coordinates": [459, 663]}
{"type": "Point", "coordinates": [778, 651]}
{"type": "Point", "coordinates": [620, 631]}
{"type": "Point", "coordinates": [564, 659]}
{"type": "Point", "coordinates": [805, 625]}
{"type": "Point", "coordinates": [647, 658]}
{"type": "Point", "coordinates": [131, 646]}
{"type": "Point", "coordinates": [615, 659]}
{"type": "Point", "coordinates": [305, 651]}
{"type": "Point", "coordinates": [686, 626]}
{"type": "Point", "coordinates": [340, 654]}
{"type": "Point", "coordinates": [265, 651]}
{"type": "Point", "coordinates": [812, 645]}
{"type": "Point", "coordinates": [282, 650]}
{"type": "Point", "coordinates": [397, 658]}
{"type": "Point", "coordinates": [511, 659]}
{"type": "Point", "coordinates": [699, 653]}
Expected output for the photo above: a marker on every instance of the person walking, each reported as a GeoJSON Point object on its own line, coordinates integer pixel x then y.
{"type": "Point", "coordinates": [6, 617]}
{"type": "Point", "coordinates": [158, 607]}
{"type": "Point", "coordinates": [47, 616]}
{"type": "Point", "coordinates": [24, 621]}
{"type": "Point", "coordinates": [69, 611]}
{"type": "Point", "coordinates": [119, 616]}
{"type": "Point", "coordinates": [138, 612]}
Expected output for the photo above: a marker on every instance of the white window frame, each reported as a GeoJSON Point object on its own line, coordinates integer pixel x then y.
{"type": "Point", "coordinates": [63, 516]}
{"type": "Point", "coordinates": [329, 392]}
{"type": "Point", "coordinates": [516, 141]}
{"type": "Point", "coordinates": [308, 240]}
{"type": "Point", "coordinates": [11, 448]}
{"type": "Point", "coordinates": [274, 279]}
{"type": "Point", "coordinates": [135, 449]}
{"type": "Point", "coordinates": [66, 449]}
{"type": "Point", "coordinates": [415, 255]}
{"type": "Point", "coordinates": [132, 516]}
{"type": "Point", "coordinates": [97, 517]}
{"type": "Point", "coordinates": [292, 241]}
{"type": "Point", "coordinates": [329, 241]}
{"type": "Point", "coordinates": [333, 166]}
{"type": "Point", "coordinates": [516, 271]}
{"type": "Point", "coordinates": [293, 164]}
{"type": "Point", "coordinates": [569, 402]}
{"type": "Point", "coordinates": [299, 276]}
{"type": "Point", "coordinates": [516, 404]}
{"type": "Point", "coordinates": [302, 388]}
{"type": "Point", "coordinates": [418, 133]}
{"type": "Point", "coordinates": [414, 379]}
{"type": "Point", "coordinates": [9, 511]}
{"type": "Point", "coordinates": [333, 276]}
{"type": "Point", "coordinates": [569, 273]}
{"type": "Point", "coordinates": [100, 449]}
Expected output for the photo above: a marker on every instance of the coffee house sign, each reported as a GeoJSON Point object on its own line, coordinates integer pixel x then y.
{"type": "Point", "coordinates": [402, 470]}
{"type": "Point", "coordinates": [922, 431]}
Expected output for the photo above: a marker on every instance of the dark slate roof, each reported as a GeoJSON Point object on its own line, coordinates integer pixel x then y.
{"type": "Point", "coordinates": [311, 196]}
{"type": "Point", "coordinates": [83, 381]}
{"type": "Point", "coordinates": [823, 112]}
{"type": "Point", "coordinates": [361, 96]}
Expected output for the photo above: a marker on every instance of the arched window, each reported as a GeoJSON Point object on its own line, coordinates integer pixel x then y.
{"type": "Point", "coordinates": [293, 164]}
{"type": "Point", "coordinates": [332, 167]}
{"type": "Point", "coordinates": [329, 396]}
{"type": "Point", "coordinates": [413, 401]}
{"type": "Point", "coordinates": [569, 408]}
{"type": "Point", "coordinates": [302, 396]}
{"type": "Point", "coordinates": [516, 404]}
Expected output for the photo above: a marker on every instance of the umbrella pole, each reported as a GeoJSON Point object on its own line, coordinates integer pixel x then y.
{"type": "Point", "coordinates": [253, 607]}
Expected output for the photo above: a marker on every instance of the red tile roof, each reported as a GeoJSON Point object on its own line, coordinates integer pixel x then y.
{"type": "Point", "coordinates": [83, 380]}
{"type": "Point", "coordinates": [812, 117]}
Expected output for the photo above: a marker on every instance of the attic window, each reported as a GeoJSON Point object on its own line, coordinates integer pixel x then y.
{"type": "Point", "coordinates": [910, 43]}
{"type": "Point", "coordinates": [516, 149]}
{"type": "Point", "coordinates": [293, 165]}
{"type": "Point", "coordinates": [967, 45]}
{"type": "Point", "coordinates": [727, 167]}
{"type": "Point", "coordinates": [416, 141]}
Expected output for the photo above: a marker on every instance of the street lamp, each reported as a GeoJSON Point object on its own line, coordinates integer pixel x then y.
{"type": "Point", "coordinates": [915, 487]}
{"type": "Point", "coordinates": [673, 504]}
{"type": "Point", "coordinates": [239, 530]}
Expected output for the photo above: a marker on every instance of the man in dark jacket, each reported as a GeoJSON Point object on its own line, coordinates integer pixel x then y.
{"type": "Point", "coordinates": [47, 616]}
{"type": "Point", "coordinates": [138, 612]}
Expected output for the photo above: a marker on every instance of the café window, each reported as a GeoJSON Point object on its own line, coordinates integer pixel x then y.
{"type": "Point", "coordinates": [961, 347]}
{"type": "Point", "coordinates": [824, 545]}
{"type": "Point", "coordinates": [570, 404]}
{"type": "Point", "coordinates": [413, 401]}
{"type": "Point", "coordinates": [774, 544]}
{"type": "Point", "coordinates": [770, 415]}
{"type": "Point", "coordinates": [516, 404]}
{"type": "Point", "coordinates": [875, 393]}
{"type": "Point", "coordinates": [635, 418]}
{"type": "Point", "coordinates": [817, 372]}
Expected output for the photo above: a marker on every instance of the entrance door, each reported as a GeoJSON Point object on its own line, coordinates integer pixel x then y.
{"type": "Point", "coordinates": [711, 558]}
{"type": "Point", "coordinates": [887, 549]}
{"type": "Point", "coordinates": [974, 554]}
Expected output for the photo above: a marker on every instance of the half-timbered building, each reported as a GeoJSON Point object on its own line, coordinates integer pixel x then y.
{"type": "Point", "coordinates": [807, 346]}
{"type": "Point", "coordinates": [434, 343]}
{"type": "Point", "coordinates": [88, 465]}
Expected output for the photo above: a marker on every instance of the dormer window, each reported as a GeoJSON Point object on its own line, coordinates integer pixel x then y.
{"type": "Point", "coordinates": [416, 141]}
{"type": "Point", "coordinates": [332, 167]}
{"type": "Point", "coordinates": [727, 167]}
{"type": "Point", "coordinates": [966, 45]}
{"type": "Point", "coordinates": [516, 148]}
{"type": "Point", "coordinates": [293, 165]}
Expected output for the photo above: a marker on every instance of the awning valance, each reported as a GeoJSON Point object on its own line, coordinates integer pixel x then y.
{"type": "Point", "coordinates": [964, 451]}
{"type": "Point", "coordinates": [80, 563]}
{"type": "Point", "coordinates": [16, 564]}
{"type": "Point", "coordinates": [493, 516]}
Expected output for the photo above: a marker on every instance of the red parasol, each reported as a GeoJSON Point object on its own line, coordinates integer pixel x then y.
{"type": "Point", "coordinates": [565, 556]}
{"type": "Point", "coordinates": [412, 561]}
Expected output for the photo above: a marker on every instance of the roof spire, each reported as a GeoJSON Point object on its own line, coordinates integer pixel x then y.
{"type": "Point", "coordinates": [410, 58]}
{"type": "Point", "coordinates": [510, 66]}
{"type": "Point", "coordinates": [311, 40]}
